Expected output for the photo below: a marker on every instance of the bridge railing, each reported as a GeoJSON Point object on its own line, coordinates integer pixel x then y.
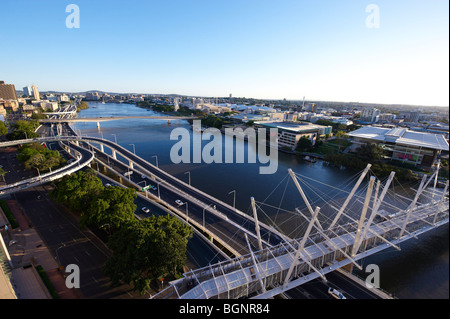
{"type": "Point", "coordinates": [274, 262]}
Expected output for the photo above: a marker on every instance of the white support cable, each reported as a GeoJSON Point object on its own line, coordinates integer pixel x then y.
{"type": "Point", "coordinates": [303, 258]}
{"type": "Point", "coordinates": [361, 178]}
{"type": "Point", "coordinates": [214, 278]}
{"type": "Point", "coordinates": [225, 279]}
{"type": "Point", "coordinates": [412, 205]}
{"type": "Point", "coordinates": [330, 242]}
{"type": "Point", "coordinates": [199, 284]}
{"type": "Point", "coordinates": [377, 203]}
{"type": "Point", "coordinates": [301, 245]}
{"type": "Point", "coordinates": [363, 215]}
{"type": "Point", "coordinates": [255, 265]}
{"type": "Point", "coordinates": [255, 216]}
{"type": "Point", "coordinates": [305, 199]}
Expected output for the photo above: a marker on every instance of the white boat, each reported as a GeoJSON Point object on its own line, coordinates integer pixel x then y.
{"type": "Point", "coordinates": [309, 159]}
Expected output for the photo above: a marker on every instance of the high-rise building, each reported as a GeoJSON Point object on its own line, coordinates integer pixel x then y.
{"type": "Point", "coordinates": [370, 115]}
{"type": "Point", "coordinates": [28, 91]}
{"type": "Point", "coordinates": [7, 91]}
{"type": "Point", "coordinates": [36, 93]}
{"type": "Point", "coordinates": [176, 104]}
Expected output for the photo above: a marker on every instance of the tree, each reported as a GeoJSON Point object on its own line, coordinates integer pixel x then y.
{"type": "Point", "coordinates": [114, 206]}
{"type": "Point", "coordinates": [77, 190]}
{"type": "Point", "coordinates": [147, 249]}
{"type": "Point", "coordinates": [304, 144]}
{"type": "Point", "coordinates": [339, 136]}
{"type": "Point", "coordinates": [35, 155]}
{"type": "Point", "coordinates": [370, 152]}
{"type": "Point", "coordinates": [3, 129]}
{"type": "Point", "coordinates": [23, 130]}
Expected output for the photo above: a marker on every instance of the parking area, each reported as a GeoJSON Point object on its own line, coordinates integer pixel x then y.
{"type": "Point", "coordinates": [15, 170]}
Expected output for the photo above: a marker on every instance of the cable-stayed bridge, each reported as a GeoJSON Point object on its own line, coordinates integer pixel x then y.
{"type": "Point", "coordinates": [322, 249]}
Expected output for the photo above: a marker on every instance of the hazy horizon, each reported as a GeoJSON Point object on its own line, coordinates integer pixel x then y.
{"type": "Point", "coordinates": [383, 52]}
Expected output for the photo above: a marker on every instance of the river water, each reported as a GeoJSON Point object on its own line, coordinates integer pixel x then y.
{"type": "Point", "coordinates": [419, 270]}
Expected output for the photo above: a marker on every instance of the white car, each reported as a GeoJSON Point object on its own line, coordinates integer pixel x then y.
{"type": "Point", "coordinates": [336, 293]}
{"type": "Point", "coordinates": [179, 202]}
{"type": "Point", "coordinates": [145, 210]}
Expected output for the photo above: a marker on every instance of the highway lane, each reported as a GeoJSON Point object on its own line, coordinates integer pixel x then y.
{"type": "Point", "coordinates": [318, 289]}
{"type": "Point", "coordinates": [245, 222]}
{"type": "Point", "coordinates": [222, 228]}
{"type": "Point", "coordinates": [199, 253]}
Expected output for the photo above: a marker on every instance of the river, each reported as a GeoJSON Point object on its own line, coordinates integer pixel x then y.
{"type": "Point", "coordinates": [419, 270]}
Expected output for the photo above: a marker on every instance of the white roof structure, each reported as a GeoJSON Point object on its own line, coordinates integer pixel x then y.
{"type": "Point", "coordinates": [402, 136]}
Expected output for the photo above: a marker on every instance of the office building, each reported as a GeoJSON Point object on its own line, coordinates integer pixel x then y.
{"type": "Point", "coordinates": [417, 148]}
{"type": "Point", "coordinates": [27, 91]}
{"type": "Point", "coordinates": [36, 93]}
{"type": "Point", "coordinates": [289, 133]}
{"type": "Point", "coordinates": [370, 115]}
{"type": "Point", "coordinates": [7, 91]}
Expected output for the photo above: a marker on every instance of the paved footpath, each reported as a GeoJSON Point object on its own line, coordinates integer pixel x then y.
{"type": "Point", "coordinates": [30, 248]}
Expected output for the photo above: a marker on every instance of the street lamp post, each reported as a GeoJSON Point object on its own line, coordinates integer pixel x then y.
{"type": "Point", "coordinates": [115, 138]}
{"type": "Point", "coordinates": [134, 149]}
{"type": "Point", "coordinates": [204, 214]}
{"type": "Point", "coordinates": [156, 159]}
{"type": "Point", "coordinates": [56, 252]}
{"type": "Point", "coordinates": [187, 216]}
{"type": "Point", "coordinates": [189, 177]}
{"type": "Point", "coordinates": [234, 198]}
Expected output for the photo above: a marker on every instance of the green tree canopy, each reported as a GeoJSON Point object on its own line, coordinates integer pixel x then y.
{"type": "Point", "coordinates": [370, 152]}
{"type": "Point", "coordinates": [114, 206]}
{"type": "Point", "coordinates": [77, 190]}
{"type": "Point", "coordinates": [23, 129]}
{"type": "Point", "coordinates": [304, 144]}
{"type": "Point", "coordinates": [3, 129]}
{"type": "Point", "coordinates": [35, 155]}
{"type": "Point", "coordinates": [147, 249]}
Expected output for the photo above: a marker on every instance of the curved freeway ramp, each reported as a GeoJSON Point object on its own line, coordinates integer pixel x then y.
{"type": "Point", "coordinates": [84, 158]}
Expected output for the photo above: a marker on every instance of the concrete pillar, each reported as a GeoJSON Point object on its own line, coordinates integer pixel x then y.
{"type": "Point", "coordinates": [130, 164]}
{"type": "Point", "coordinates": [98, 126]}
{"type": "Point", "coordinates": [101, 148]}
{"type": "Point", "coordinates": [114, 154]}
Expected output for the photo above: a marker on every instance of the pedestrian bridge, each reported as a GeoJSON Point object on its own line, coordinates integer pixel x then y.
{"type": "Point", "coordinates": [273, 270]}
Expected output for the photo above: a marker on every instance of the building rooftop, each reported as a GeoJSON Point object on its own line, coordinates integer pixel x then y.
{"type": "Point", "coordinates": [402, 136]}
{"type": "Point", "coordinates": [295, 127]}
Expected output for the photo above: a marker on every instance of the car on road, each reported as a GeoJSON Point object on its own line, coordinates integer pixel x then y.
{"type": "Point", "coordinates": [336, 293]}
{"type": "Point", "coordinates": [179, 202]}
{"type": "Point", "coordinates": [153, 187]}
{"type": "Point", "coordinates": [145, 210]}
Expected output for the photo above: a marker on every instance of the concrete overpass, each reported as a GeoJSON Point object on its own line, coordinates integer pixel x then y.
{"type": "Point", "coordinates": [83, 157]}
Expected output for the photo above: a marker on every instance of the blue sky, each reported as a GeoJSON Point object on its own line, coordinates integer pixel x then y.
{"type": "Point", "coordinates": [322, 50]}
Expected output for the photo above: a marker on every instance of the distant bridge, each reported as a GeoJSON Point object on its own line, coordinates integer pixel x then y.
{"type": "Point", "coordinates": [116, 118]}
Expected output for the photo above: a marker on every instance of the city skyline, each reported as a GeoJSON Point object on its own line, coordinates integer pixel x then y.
{"type": "Point", "coordinates": [255, 49]}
